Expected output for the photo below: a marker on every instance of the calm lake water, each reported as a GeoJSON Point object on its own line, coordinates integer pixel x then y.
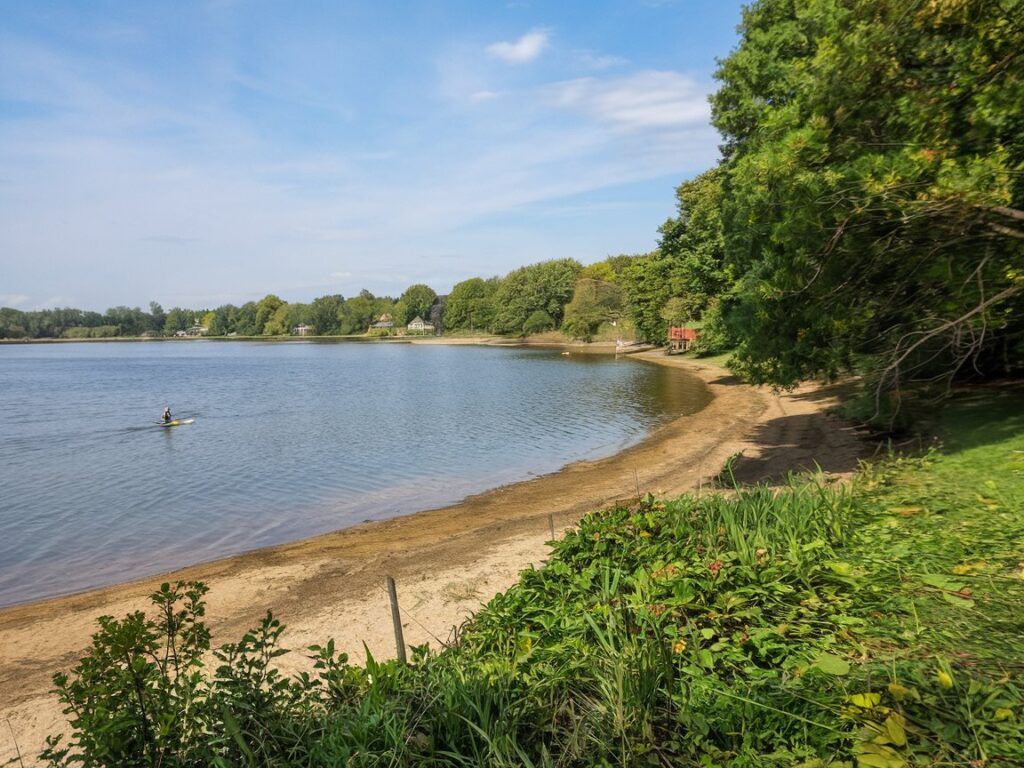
{"type": "Point", "coordinates": [290, 440]}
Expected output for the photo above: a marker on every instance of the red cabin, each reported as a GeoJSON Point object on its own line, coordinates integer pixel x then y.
{"type": "Point", "coordinates": [680, 339]}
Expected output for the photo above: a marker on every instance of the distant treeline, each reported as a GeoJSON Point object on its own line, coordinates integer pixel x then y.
{"type": "Point", "coordinates": [561, 293]}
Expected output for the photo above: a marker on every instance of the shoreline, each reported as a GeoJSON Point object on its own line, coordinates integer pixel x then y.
{"type": "Point", "coordinates": [447, 561]}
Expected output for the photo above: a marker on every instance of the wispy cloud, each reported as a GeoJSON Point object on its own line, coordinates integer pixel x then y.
{"type": "Point", "coordinates": [54, 302]}
{"type": "Point", "coordinates": [597, 61]}
{"type": "Point", "coordinates": [12, 299]}
{"type": "Point", "coordinates": [646, 99]}
{"type": "Point", "coordinates": [524, 50]}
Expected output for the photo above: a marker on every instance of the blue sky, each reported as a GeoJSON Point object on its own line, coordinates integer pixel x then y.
{"type": "Point", "coordinates": [197, 153]}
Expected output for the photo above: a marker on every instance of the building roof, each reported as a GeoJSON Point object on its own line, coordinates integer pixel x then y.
{"type": "Point", "coordinates": [675, 333]}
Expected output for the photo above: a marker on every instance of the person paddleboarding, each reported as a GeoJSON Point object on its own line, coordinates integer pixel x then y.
{"type": "Point", "coordinates": [167, 415]}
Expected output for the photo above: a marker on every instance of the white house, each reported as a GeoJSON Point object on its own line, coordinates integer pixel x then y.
{"type": "Point", "coordinates": [419, 325]}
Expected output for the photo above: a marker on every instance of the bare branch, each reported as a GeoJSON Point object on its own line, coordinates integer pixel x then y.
{"type": "Point", "coordinates": [1012, 213]}
{"type": "Point", "coordinates": [1009, 231]}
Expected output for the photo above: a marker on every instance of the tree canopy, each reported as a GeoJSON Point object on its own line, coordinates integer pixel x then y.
{"type": "Point", "coordinates": [545, 287]}
{"type": "Point", "coordinates": [873, 189]}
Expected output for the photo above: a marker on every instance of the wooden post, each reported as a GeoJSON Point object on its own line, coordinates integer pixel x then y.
{"type": "Point", "coordinates": [396, 619]}
{"type": "Point", "coordinates": [700, 478]}
{"type": "Point", "coordinates": [551, 525]}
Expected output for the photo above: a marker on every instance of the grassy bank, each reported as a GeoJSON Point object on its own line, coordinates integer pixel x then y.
{"type": "Point", "coordinates": [881, 624]}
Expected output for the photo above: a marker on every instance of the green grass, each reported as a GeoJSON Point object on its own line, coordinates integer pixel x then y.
{"type": "Point", "coordinates": [878, 625]}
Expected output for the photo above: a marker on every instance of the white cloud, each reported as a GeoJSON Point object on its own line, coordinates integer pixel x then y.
{"type": "Point", "coordinates": [480, 96]}
{"type": "Point", "coordinates": [53, 302]}
{"type": "Point", "coordinates": [12, 299]}
{"type": "Point", "coordinates": [643, 100]}
{"type": "Point", "coordinates": [525, 49]}
{"type": "Point", "coordinates": [340, 275]}
{"type": "Point", "coordinates": [596, 61]}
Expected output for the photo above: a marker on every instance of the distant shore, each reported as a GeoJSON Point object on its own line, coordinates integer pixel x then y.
{"type": "Point", "coordinates": [446, 561]}
{"type": "Point", "coordinates": [490, 339]}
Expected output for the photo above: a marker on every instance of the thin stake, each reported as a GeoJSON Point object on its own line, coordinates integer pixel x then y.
{"type": "Point", "coordinates": [396, 619]}
{"type": "Point", "coordinates": [14, 738]}
{"type": "Point", "coordinates": [636, 479]}
{"type": "Point", "coordinates": [700, 478]}
{"type": "Point", "coordinates": [551, 525]}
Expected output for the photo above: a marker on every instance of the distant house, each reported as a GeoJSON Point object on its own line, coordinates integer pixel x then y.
{"type": "Point", "coordinates": [180, 334]}
{"type": "Point", "coordinates": [419, 325]}
{"type": "Point", "coordinates": [384, 321]}
{"type": "Point", "coordinates": [195, 330]}
{"type": "Point", "coordinates": [681, 339]}
{"type": "Point", "coordinates": [302, 330]}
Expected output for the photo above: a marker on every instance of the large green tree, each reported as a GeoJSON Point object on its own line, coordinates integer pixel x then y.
{"type": "Point", "coordinates": [266, 308]}
{"type": "Point", "coordinates": [178, 319]}
{"type": "Point", "coordinates": [544, 287]}
{"type": "Point", "coordinates": [470, 305]}
{"type": "Point", "coordinates": [873, 197]}
{"type": "Point", "coordinates": [325, 314]}
{"type": "Point", "coordinates": [415, 302]}
{"type": "Point", "coordinates": [224, 320]}
{"type": "Point", "coordinates": [594, 302]}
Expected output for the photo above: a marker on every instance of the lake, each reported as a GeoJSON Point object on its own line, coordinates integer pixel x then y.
{"type": "Point", "coordinates": [290, 440]}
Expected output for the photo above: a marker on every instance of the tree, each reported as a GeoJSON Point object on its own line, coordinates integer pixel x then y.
{"type": "Point", "coordinates": [279, 323]}
{"type": "Point", "coordinates": [538, 322]}
{"type": "Point", "coordinates": [470, 305]}
{"type": "Point", "coordinates": [266, 308]}
{"type": "Point", "coordinates": [12, 323]}
{"type": "Point", "coordinates": [609, 270]}
{"type": "Point", "coordinates": [594, 302]}
{"type": "Point", "coordinates": [415, 302]}
{"type": "Point", "coordinates": [178, 319]}
{"type": "Point", "coordinates": [873, 203]}
{"type": "Point", "coordinates": [224, 321]}
{"type": "Point", "coordinates": [677, 311]}
{"type": "Point", "coordinates": [545, 287]}
{"type": "Point", "coordinates": [325, 314]}
{"type": "Point", "coordinates": [130, 321]}
{"type": "Point", "coordinates": [363, 310]}
{"type": "Point", "coordinates": [650, 281]}
{"type": "Point", "coordinates": [158, 317]}
{"type": "Point", "coordinates": [244, 323]}
{"type": "Point", "coordinates": [690, 263]}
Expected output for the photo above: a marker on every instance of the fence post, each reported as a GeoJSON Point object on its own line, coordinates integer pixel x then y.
{"type": "Point", "coordinates": [396, 619]}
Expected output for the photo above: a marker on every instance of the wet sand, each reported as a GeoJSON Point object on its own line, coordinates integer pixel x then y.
{"type": "Point", "coordinates": [447, 562]}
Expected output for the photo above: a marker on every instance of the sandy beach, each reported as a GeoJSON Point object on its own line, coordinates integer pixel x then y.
{"type": "Point", "coordinates": [447, 562]}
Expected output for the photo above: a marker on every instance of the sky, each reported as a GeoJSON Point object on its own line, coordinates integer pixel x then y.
{"type": "Point", "coordinates": [199, 153]}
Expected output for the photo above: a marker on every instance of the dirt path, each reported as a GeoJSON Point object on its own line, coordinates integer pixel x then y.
{"type": "Point", "coordinates": [447, 562]}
